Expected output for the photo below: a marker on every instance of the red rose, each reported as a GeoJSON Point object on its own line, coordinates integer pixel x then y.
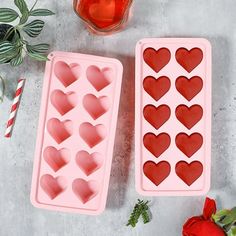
{"type": "Point", "coordinates": [203, 225]}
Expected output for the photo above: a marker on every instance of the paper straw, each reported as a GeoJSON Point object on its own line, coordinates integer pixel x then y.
{"type": "Point", "coordinates": [14, 108]}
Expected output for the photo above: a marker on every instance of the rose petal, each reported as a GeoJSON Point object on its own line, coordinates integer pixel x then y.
{"type": "Point", "coordinates": [209, 208]}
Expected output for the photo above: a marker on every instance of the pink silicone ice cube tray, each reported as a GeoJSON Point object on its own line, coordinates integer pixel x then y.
{"type": "Point", "coordinates": [76, 133]}
{"type": "Point", "coordinates": [173, 116]}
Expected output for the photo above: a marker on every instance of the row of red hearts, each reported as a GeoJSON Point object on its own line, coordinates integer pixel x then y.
{"type": "Point", "coordinates": [188, 88]}
{"type": "Point", "coordinates": [158, 144]}
{"type": "Point", "coordinates": [187, 172]}
{"type": "Point", "coordinates": [158, 59]}
{"type": "Point", "coordinates": [158, 116]}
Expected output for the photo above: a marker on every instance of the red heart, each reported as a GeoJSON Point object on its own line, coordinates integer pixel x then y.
{"type": "Point", "coordinates": [156, 116]}
{"type": "Point", "coordinates": [189, 116]}
{"type": "Point", "coordinates": [157, 173]}
{"type": "Point", "coordinates": [189, 144]}
{"type": "Point", "coordinates": [189, 59]}
{"type": "Point", "coordinates": [156, 88]}
{"type": "Point", "coordinates": [189, 88]}
{"type": "Point", "coordinates": [156, 144]}
{"type": "Point", "coordinates": [157, 59]}
{"type": "Point", "coordinates": [189, 173]}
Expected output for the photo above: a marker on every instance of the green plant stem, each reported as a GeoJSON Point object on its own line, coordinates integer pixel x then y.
{"type": "Point", "coordinates": [9, 32]}
{"type": "Point", "coordinates": [33, 6]}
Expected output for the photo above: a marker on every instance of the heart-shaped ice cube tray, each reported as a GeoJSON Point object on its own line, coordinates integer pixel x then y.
{"type": "Point", "coordinates": [76, 133]}
{"type": "Point", "coordinates": [173, 116]}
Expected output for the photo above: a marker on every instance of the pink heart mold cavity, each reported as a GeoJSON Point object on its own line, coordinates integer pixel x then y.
{"type": "Point", "coordinates": [99, 78]}
{"type": "Point", "coordinates": [60, 130]}
{"type": "Point", "coordinates": [63, 102]}
{"type": "Point", "coordinates": [53, 186]}
{"type": "Point", "coordinates": [89, 163]}
{"type": "Point", "coordinates": [84, 190]}
{"type": "Point", "coordinates": [92, 135]}
{"type": "Point", "coordinates": [67, 74]}
{"type": "Point", "coordinates": [96, 106]}
{"type": "Point", "coordinates": [56, 159]}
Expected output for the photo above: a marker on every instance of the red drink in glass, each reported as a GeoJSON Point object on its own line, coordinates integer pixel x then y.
{"type": "Point", "coordinates": [103, 16]}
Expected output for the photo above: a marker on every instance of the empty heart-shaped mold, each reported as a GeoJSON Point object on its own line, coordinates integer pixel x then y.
{"type": "Point", "coordinates": [53, 186]}
{"type": "Point", "coordinates": [156, 116]}
{"type": "Point", "coordinates": [67, 74]}
{"type": "Point", "coordinates": [157, 59]}
{"type": "Point", "coordinates": [63, 102]}
{"type": "Point", "coordinates": [189, 172]}
{"type": "Point", "coordinates": [89, 163]}
{"type": "Point", "coordinates": [56, 159]}
{"type": "Point", "coordinates": [85, 190]}
{"type": "Point", "coordinates": [156, 88]}
{"type": "Point", "coordinates": [91, 134]}
{"type": "Point", "coordinates": [189, 59]}
{"type": "Point", "coordinates": [96, 106]}
{"type": "Point", "coordinates": [173, 116]}
{"type": "Point", "coordinates": [60, 130]}
{"type": "Point", "coordinates": [76, 133]}
{"type": "Point", "coordinates": [99, 78]}
{"type": "Point", "coordinates": [189, 88]}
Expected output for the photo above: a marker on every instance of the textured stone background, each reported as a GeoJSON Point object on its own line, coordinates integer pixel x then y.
{"type": "Point", "coordinates": [213, 19]}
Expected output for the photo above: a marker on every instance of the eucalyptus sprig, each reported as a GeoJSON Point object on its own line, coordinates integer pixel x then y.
{"type": "Point", "coordinates": [13, 50]}
{"type": "Point", "coordinates": [141, 209]}
{"type": "Point", "coordinates": [227, 220]}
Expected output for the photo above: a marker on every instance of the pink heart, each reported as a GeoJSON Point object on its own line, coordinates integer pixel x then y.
{"type": "Point", "coordinates": [53, 186]}
{"type": "Point", "coordinates": [84, 190]}
{"type": "Point", "coordinates": [63, 102]}
{"type": "Point", "coordinates": [99, 78]}
{"type": "Point", "coordinates": [60, 130]}
{"type": "Point", "coordinates": [92, 135]}
{"type": "Point", "coordinates": [96, 107]}
{"type": "Point", "coordinates": [88, 163]}
{"type": "Point", "coordinates": [56, 159]}
{"type": "Point", "coordinates": [67, 74]}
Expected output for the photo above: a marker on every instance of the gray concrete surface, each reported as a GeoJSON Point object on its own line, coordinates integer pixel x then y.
{"type": "Point", "coordinates": [213, 19]}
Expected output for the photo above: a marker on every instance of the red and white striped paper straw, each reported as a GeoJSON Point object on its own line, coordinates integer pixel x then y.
{"type": "Point", "coordinates": [14, 108]}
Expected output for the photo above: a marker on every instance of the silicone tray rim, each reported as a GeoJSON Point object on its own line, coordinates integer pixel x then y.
{"type": "Point", "coordinates": [138, 55]}
{"type": "Point", "coordinates": [40, 131]}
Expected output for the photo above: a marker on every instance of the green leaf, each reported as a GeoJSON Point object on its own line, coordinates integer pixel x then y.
{"type": "Point", "coordinates": [22, 6]}
{"type": "Point", "coordinates": [7, 15]}
{"type": "Point", "coordinates": [220, 215]}
{"type": "Point", "coordinates": [3, 60]}
{"type": "Point", "coordinates": [6, 47]}
{"type": "Point", "coordinates": [37, 57]}
{"type": "Point", "coordinates": [16, 61]}
{"type": "Point", "coordinates": [41, 12]}
{"type": "Point", "coordinates": [39, 48]}
{"type": "Point", "coordinates": [34, 28]}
